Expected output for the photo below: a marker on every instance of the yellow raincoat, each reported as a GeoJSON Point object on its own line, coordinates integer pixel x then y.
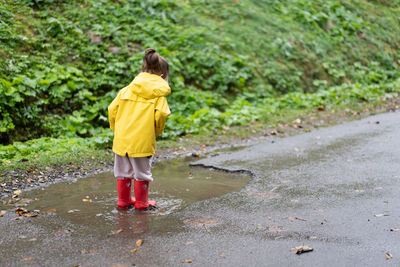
{"type": "Point", "coordinates": [138, 114]}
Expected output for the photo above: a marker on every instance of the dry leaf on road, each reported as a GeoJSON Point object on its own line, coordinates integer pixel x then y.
{"type": "Point", "coordinates": [139, 242]}
{"type": "Point", "coordinates": [50, 211]}
{"type": "Point", "coordinates": [21, 211]}
{"type": "Point", "coordinates": [115, 232]}
{"type": "Point", "coordinates": [73, 210]}
{"type": "Point", "coordinates": [188, 260]}
{"type": "Point", "coordinates": [388, 256]}
{"type": "Point", "coordinates": [302, 249]}
{"type": "Point", "coordinates": [208, 230]}
{"type": "Point", "coordinates": [292, 219]}
{"type": "Point", "coordinates": [381, 215]}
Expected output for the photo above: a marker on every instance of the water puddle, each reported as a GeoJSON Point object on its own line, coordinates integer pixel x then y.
{"type": "Point", "coordinates": [92, 200]}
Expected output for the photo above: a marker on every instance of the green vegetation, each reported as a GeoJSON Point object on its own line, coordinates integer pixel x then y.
{"type": "Point", "coordinates": [232, 62]}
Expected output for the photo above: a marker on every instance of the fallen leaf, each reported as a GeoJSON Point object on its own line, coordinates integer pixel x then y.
{"type": "Point", "coordinates": [189, 243]}
{"type": "Point", "coordinates": [208, 230]}
{"type": "Point", "coordinates": [273, 132]}
{"type": "Point", "coordinates": [86, 200]}
{"type": "Point", "coordinates": [2, 212]}
{"type": "Point", "coordinates": [222, 255]}
{"type": "Point", "coordinates": [302, 249]}
{"type": "Point", "coordinates": [28, 180]}
{"type": "Point", "coordinates": [134, 250]}
{"type": "Point", "coordinates": [139, 242]}
{"type": "Point", "coordinates": [381, 215]}
{"type": "Point", "coordinates": [73, 210]}
{"type": "Point", "coordinates": [188, 260]}
{"type": "Point", "coordinates": [116, 231]}
{"type": "Point", "coordinates": [292, 219]}
{"type": "Point", "coordinates": [388, 256]}
{"type": "Point", "coordinates": [21, 211]}
{"type": "Point", "coordinates": [51, 211]}
{"type": "Point", "coordinates": [17, 192]}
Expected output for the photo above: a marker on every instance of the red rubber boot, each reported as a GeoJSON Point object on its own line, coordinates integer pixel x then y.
{"type": "Point", "coordinates": [142, 193]}
{"type": "Point", "coordinates": [124, 193]}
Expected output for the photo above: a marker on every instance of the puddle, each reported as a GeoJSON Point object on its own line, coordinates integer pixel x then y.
{"type": "Point", "coordinates": [92, 200]}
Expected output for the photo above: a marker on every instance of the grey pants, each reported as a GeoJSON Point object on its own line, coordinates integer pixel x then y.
{"type": "Point", "coordinates": [137, 168]}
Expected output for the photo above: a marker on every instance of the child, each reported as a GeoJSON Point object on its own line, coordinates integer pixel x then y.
{"type": "Point", "coordinates": [137, 115]}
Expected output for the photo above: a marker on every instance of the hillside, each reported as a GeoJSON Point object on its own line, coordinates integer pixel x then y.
{"type": "Point", "coordinates": [62, 62]}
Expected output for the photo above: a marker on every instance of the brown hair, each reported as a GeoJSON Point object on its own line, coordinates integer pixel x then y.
{"type": "Point", "coordinates": [155, 64]}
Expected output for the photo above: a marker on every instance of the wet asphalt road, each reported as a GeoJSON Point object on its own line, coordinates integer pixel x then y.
{"type": "Point", "coordinates": [321, 189]}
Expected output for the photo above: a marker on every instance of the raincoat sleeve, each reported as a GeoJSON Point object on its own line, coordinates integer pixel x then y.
{"type": "Point", "coordinates": [112, 111]}
{"type": "Point", "coordinates": [161, 113]}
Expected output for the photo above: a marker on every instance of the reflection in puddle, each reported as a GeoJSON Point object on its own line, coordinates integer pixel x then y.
{"type": "Point", "coordinates": [92, 200]}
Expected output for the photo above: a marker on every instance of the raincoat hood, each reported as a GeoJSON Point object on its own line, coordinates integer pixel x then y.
{"type": "Point", "coordinates": [138, 114]}
{"type": "Point", "coordinates": [148, 86]}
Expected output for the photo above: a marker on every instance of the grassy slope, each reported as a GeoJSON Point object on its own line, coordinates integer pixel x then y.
{"type": "Point", "coordinates": [290, 44]}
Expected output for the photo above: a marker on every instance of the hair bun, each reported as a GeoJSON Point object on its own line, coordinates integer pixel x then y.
{"type": "Point", "coordinates": [150, 51]}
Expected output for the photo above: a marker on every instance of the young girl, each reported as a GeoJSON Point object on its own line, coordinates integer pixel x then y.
{"type": "Point", "coordinates": [137, 115]}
